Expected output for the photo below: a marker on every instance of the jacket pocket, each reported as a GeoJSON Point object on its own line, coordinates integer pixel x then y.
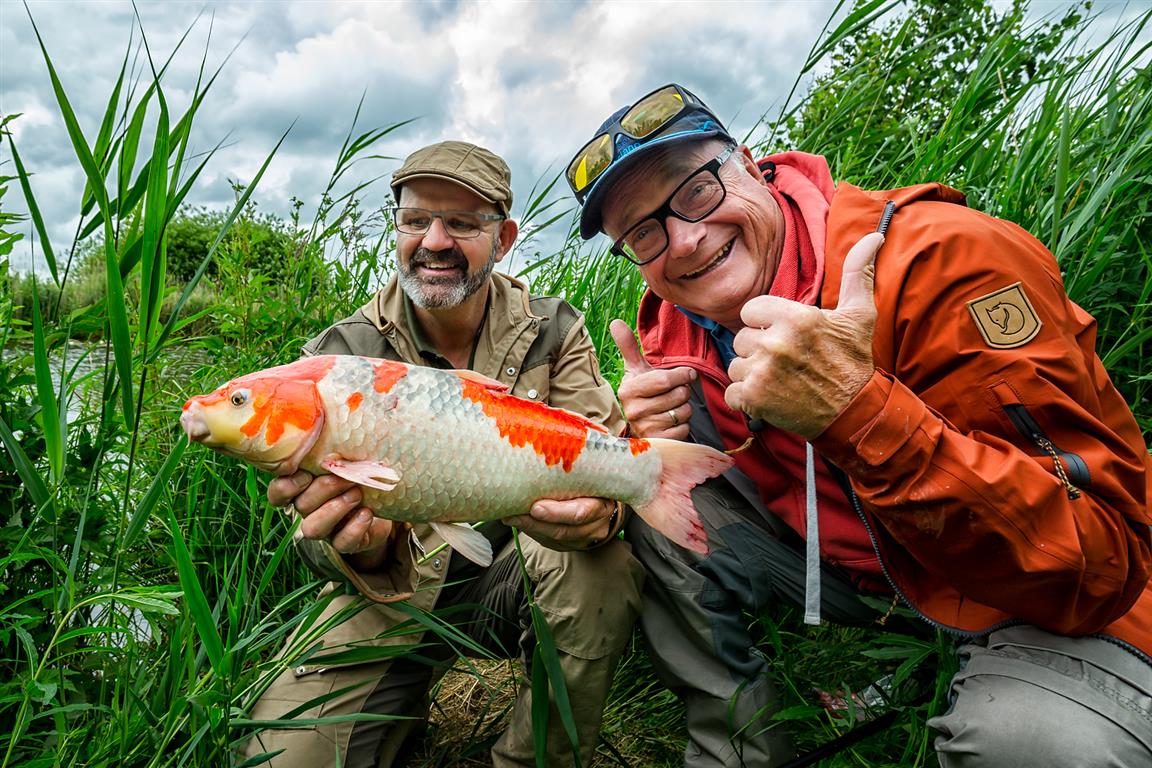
{"type": "Point", "coordinates": [1069, 467]}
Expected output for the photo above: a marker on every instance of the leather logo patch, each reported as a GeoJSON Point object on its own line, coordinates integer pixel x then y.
{"type": "Point", "coordinates": [1005, 317]}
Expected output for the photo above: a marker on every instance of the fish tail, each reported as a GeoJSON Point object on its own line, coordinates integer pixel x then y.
{"type": "Point", "coordinates": [671, 512]}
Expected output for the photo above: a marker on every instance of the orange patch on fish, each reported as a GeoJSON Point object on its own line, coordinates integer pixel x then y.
{"type": "Point", "coordinates": [638, 445]}
{"type": "Point", "coordinates": [354, 401]}
{"type": "Point", "coordinates": [279, 402]}
{"type": "Point", "coordinates": [555, 435]}
{"type": "Point", "coordinates": [387, 374]}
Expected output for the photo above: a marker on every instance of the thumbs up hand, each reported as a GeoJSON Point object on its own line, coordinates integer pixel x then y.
{"type": "Point", "coordinates": [798, 366]}
{"type": "Point", "coordinates": [655, 401]}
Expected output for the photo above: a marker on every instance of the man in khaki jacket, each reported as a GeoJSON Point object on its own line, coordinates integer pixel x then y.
{"type": "Point", "coordinates": [446, 308]}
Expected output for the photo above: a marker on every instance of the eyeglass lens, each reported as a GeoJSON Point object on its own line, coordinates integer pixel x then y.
{"type": "Point", "coordinates": [696, 197]}
{"type": "Point", "coordinates": [646, 117]}
{"type": "Point", "coordinates": [459, 224]}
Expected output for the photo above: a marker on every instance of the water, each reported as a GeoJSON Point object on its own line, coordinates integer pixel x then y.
{"type": "Point", "coordinates": [82, 365]}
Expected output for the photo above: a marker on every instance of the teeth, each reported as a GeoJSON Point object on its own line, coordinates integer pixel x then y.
{"type": "Point", "coordinates": [719, 254]}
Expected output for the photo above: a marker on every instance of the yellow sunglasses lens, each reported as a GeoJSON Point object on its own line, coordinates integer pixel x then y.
{"type": "Point", "coordinates": [652, 112]}
{"type": "Point", "coordinates": [590, 163]}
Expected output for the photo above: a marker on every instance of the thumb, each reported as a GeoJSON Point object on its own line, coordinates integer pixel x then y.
{"type": "Point", "coordinates": [634, 361]}
{"type": "Point", "coordinates": [859, 278]}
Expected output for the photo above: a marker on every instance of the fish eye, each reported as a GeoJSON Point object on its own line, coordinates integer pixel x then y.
{"type": "Point", "coordinates": [239, 397]}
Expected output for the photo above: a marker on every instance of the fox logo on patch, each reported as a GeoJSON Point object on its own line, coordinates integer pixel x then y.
{"type": "Point", "coordinates": [1005, 317]}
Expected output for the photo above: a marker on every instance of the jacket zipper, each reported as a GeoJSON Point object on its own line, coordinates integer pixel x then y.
{"type": "Point", "coordinates": [900, 596]}
{"type": "Point", "coordinates": [1027, 426]}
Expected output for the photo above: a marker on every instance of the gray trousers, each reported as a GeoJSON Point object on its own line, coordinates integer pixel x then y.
{"type": "Point", "coordinates": [589, 599]}
{"type": "Point", "coordinates": [1024, 697]}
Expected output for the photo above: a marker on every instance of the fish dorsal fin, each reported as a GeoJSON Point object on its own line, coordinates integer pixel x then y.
{"type": "Point", "coordinates": [467, 541]}
{"type": "Point", "coordinates": [481, 379]}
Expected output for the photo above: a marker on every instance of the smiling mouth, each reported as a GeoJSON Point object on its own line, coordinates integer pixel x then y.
{"type": "Point", "coordinates": [718, 259]}
{"type": "Point", "coordinates": [435, 270]}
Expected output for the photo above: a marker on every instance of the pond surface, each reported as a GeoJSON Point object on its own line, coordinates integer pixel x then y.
{"type": "Point", "coordinates": [84, 363]}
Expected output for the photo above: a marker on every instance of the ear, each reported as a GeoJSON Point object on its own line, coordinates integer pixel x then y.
{"type": "Point", "coordinates": [508, 233]}
{"type": "Point", "coordinates": [750, 165]}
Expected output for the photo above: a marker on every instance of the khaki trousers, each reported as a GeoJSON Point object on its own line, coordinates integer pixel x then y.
{"type": "Point", "coordinates": [590, 601]}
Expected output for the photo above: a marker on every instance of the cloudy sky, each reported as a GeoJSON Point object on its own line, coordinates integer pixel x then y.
{"type": "Point", "coordinates": [527, 79]}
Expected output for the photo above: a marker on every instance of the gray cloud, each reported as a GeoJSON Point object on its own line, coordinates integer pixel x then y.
{"type": "Point", "coordinates": [530, 80]}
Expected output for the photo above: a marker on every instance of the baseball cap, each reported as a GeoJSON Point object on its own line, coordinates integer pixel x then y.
{"type": "Point", "coordinates": [668, 115]}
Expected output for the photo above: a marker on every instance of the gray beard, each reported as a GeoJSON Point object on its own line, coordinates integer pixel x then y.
{"type": "Point", "coordinates": [444, 293]}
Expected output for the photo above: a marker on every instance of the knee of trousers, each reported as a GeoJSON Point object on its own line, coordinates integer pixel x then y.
{"type": "Point", "coordinates": [1002, 722]}
{"type": "Point", "coordinates": [590, 599]}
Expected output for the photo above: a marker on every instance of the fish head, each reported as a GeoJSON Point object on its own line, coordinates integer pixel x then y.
{"type": "Point", "coordinates": [270, 419]}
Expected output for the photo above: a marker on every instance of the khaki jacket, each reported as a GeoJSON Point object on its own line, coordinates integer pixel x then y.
{"type": "Point", "coordinates": [538, 346]}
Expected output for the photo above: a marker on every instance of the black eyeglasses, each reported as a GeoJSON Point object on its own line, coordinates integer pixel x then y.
{"type": "Point", "coordinates": [461, 225]}
{"type": "Point", "coordinates": [695, 198]}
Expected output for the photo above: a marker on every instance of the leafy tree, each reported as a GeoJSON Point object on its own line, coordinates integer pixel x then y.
{"type": "Point", "coordinates": [260, 242]}
{"type": "Point", "coordinates": [891, 86]}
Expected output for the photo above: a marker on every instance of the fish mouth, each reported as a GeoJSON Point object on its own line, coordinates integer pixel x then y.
{"type": "Point", "coordinates": [719, 258]}
{"type": "Point", "coordinates": [194, 426]}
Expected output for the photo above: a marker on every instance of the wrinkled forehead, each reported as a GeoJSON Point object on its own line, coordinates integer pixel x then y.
{"type": "Point", "coordinates": [647, 183]}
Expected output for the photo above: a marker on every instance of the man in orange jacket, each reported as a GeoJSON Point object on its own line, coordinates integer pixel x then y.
{"type": "Point", "coordinates": [926, 420]}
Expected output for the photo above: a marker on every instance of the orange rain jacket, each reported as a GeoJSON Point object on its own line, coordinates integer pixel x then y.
{"type": "Point", "coordinates": [957, 500]}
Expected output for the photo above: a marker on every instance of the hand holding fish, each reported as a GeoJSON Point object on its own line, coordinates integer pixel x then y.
{"type": "Point", "coordinates": [331, 509]}
{"type": "Point", "coordinates": [655, 401]}
{"type": "Point", "coordinates": [567, 524]}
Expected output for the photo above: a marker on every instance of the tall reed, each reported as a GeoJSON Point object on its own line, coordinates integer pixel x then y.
{"type": "Point", "coordinates": [144, 587]}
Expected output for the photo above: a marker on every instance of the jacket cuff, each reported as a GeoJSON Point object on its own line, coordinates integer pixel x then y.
{"type": "Point", "coordinates": [875, 427]}
{"type": "Point", "coordinates": [393, 581]}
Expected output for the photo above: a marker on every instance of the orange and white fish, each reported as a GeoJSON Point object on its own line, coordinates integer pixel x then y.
{"type": "Point", "coordinates": [444, 447]}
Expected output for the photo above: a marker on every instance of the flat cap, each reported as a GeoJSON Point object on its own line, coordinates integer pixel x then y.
{"type": "Point", "coordinates": [468, 165]}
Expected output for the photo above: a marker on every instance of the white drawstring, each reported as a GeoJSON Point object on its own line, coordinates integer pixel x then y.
{"type": "Point", "coordinates": [812, 541]}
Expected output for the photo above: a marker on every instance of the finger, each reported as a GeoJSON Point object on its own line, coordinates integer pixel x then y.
{"type": "Point", "coordinates": [658, 383]}
{"type": "Point", "coordinates": [859, 279]}
{"type": "Point", "coordinates": [351, 534]}
{"type": "Point", "coordinates": [283, 489]}
{"type": "Point", "coordinates": [634, 361]}
{"type": "Point", "coordinates": [321, 522]}
{"type": "Point", "coordinates": [554, 536]}
{"type": "Point", "coordinates": [763, 311]}
{"type": "Point", "coordinates": [321, 490]}
{"type": "Point", "coordinates": [361, 531]}
{"type": "Point", "coordinates": [734, 395]}
{"type": "Point", "coordinates": [571, 512]}
{"type": "Point", "coordinates": [638, 406]}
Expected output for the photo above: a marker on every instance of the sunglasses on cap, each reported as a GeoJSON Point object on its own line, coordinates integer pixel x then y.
{"type": "Point", "coordinates": [644, 121]}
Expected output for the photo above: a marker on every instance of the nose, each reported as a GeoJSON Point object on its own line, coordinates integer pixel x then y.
{"type": "Point", "coordinates": [437, 237]}
{"type": "Point", "coordinates": [193, 424]}
{"type": "Point", "coordinates": [684, 237]}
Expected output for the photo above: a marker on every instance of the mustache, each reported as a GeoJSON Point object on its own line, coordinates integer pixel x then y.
{"type": "Point", "coordinates": [453, 257]}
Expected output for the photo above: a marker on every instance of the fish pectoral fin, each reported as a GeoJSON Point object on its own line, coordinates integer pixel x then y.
{"type": "Point", "coordinates": [481, 379]}
{"type": "Point", "coordinates": [372, 474]}
{"type": "Point", "coordinates": [467, 541]}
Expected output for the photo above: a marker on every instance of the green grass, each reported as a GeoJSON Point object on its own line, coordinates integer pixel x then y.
{"type": "Point", "coordinates": [144, 585]}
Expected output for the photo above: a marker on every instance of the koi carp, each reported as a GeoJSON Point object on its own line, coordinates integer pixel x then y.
{"type": "Point", "coordinates": [445, 447]}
